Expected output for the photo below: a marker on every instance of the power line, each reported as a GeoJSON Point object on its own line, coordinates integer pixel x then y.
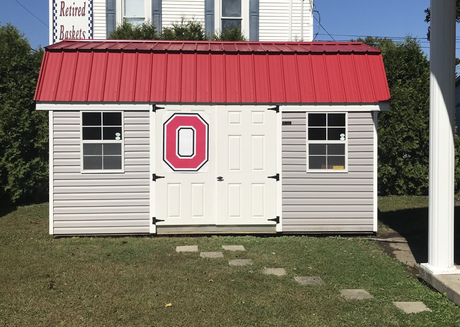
{"type": "Point", "coordinates": [319, 23]}
{"type": "Point", "coordinates": [31, 13]}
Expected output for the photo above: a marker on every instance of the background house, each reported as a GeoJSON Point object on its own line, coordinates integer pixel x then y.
{"type": "Point", "coordinates": [260, 20]}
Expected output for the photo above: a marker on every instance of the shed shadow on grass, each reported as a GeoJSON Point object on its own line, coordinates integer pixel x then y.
{"type": "Point", "coordinates": [412, 224]}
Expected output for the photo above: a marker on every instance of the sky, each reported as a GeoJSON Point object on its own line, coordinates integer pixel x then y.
{"type": "Point", "coordinates": [342, 19]}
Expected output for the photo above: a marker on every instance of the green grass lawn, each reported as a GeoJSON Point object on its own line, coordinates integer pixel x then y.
{"type": "Point", "coordinates": [127, 281]}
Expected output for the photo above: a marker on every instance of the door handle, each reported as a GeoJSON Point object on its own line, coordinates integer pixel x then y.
{"type": "Point", "coordinates": [220, 179]}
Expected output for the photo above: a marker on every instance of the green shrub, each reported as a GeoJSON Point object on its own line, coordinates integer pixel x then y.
{"type": "Point", "coordinates": [23, 130]}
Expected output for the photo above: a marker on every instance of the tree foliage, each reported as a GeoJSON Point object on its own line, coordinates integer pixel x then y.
{"type": "Point", "coordinates": [184, 30]}
{"type": "Point", "coordinates": [403, 131]}
{"type": "Point", "coordinates": [187, 30]}
{"type": "Point", "coordinates": [128, 31]}
{"type": "Point", "coordinates": [428, 16]}
{"type": "Point", "coordinates": [231, 34]}
{"type": "Point", "coordinates": [23, 130]}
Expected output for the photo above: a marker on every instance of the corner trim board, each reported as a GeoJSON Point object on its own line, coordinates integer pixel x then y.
{"type": "Point", "coordinates": [51, 172]}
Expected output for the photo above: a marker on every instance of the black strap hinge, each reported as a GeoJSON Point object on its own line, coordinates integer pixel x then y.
{"type": "Point", "coordinates": [276, 109]}
{"type": "Point", "coordinates": [155, 108]}
{"type": "Point", "coordinates": [277, 177]}
{"type": "Point", "coordinates": [276, 220]}
{"type": "Point", "coordinates": [155, 220]}
{"type": "Point", "coordinates": [155, 177]}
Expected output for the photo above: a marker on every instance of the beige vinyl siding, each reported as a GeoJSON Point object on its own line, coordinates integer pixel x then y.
{"type": "Point", "coordinates": [280, 20]}
{"type": "Point", "coordinates": [173, 11]}
{"type": "Point", "coordinates": [99, 25]}
{"type": "Point", "coordinates": [328, 201]}
{"type": "Point", "coordinates": [101, 203]}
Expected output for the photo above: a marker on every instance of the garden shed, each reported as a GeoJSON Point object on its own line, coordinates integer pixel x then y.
{"type": "Point", "coordinates": [212, 137]}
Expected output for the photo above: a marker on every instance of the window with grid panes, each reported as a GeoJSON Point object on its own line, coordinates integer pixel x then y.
{"type": "Point", "coordinates": [102, 140]}
{"type": "Point", "coordinates": [326, 141]}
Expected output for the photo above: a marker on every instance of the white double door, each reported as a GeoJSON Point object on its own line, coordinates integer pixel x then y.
{"type": "Point", "coordinates": [233, 186]}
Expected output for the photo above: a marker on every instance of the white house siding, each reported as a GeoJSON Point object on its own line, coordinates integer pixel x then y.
{"type": "Point", "coordinates": [99, 26]}
{"type": "Point", "coordinates": [328, 202]}
{"type": "Point", "coordinates": [280, 20]}
{"type": "Point", "coordinates": [100, 203]}
{"type": "Point", "coordinates": [173, 11]}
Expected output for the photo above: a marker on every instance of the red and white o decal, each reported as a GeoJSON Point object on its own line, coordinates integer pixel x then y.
{"type": "Point", "coordinates": [186, 142]}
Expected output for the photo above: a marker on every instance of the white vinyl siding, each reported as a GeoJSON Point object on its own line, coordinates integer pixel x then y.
{"type": "Point", "coordinates": [328, 201]}
{"type": "Point", "coordinates": [173, 11]}
{"type": "Point", "coordinates": [280, 20]}
{"type": "Point", "coordinates": [99, 23]}
{"type": "Point", "coordinates": [100, 203]}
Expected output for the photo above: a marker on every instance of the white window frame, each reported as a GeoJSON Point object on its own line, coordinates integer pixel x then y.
{"type": "Point", "coordinates": [308, 142]}
{"type": "Point", "coordinates": [122, 142]}
{"type": "Point", "coordinates": [121, 11]}
{"type": "Point", "coordinates": [244, 17]}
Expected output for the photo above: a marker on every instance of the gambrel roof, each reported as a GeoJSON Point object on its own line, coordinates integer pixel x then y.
{"type": "Point", "coordinates": [212, 72]}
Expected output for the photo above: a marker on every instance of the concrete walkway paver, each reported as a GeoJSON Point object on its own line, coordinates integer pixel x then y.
{"type": "Point", "coordinates": [309, 280]}
{"type": "Point", "coordinates": [355, 294]}
{"type": "Point", "coordinates": [240, 262]}
{"type": "Point", "coordinates": [274, 271]}
{"type": "Point", "coordinates": [233, 247]}
{"type": "Point", "coordinates": [187, 248]}
{"type": "Point", "coordinates": [412, 307]}
{"type": "Point", "coordinates": [211, 255]}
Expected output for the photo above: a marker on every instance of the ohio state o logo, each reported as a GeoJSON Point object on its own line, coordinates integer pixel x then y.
{"type": "Point", "coordinates": [186, 142]}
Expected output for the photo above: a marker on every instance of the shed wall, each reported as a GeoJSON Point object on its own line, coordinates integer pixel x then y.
{"type": "Point", "coordinates": [329, 201]}
{"type": "Point", "coordinates": [87, 203]}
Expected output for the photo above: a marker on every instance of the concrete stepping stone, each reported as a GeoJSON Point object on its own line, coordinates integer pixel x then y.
{"type": "Point", "coordinates": [240, 262]}
{"type": "Point", "coordinates": [355, 294]}
{"type": "Point", "coordinates": [187, 248]}
{"type": "Point", "coordinates": [274, 271]}
{"type": "Point", "coordinates": [233, 247]}
{"type": "Point", "coordinates": [412, 307]}
{"type": "Point", "coordinates": [309, 280]}
{"type": "Point", "coordinates": [211, 255]}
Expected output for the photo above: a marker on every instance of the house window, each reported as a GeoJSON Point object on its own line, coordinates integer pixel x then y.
{"type": "Point", "coordinates": [231, 14]}
{"type": "Point", "coordinates": [134, 11]}
{"type": "Point", "coordinates": [326, 141]}
{"type": "Point", "coordinates": [102, 140]}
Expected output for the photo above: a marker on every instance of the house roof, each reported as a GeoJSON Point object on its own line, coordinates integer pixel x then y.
{"type": "Point", "coordinates": [211, 72]}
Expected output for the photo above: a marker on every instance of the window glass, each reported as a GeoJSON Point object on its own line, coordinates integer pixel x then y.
{"type": "Point", "coordinates": [91, 133]}
{"type": "Point", "coordinates": [91, 119]}
{"type": "Point", "coordinates": [335, 149]}
{"type": "Point", "coordinates": [317, 162]}
{"type": "Point", "coordinates": [228, 24]}
{"type": "Point", "coordinates": [316, 133]}
{"type": "Point", "coordinates": [112, 149]}
{"type": "Point", "coordinates": [112, 118]}
{"type": "Point", "coordinates": [231, 8]}
{"type": "Point", "coordinates": [334, 133]}
{"type": "Point", "coordinates": [112, 133]}
{"type": "Point", "coordinates": [92, 162]}
{"type": "Point", "coordinates": [336, 119]}
{"type": "Point", "coordinates": [134, 8]}
{"type": "Point", "coordinates": [317, 120]}
{"type": "Point", "coordinates": [335, 161]}
{"type": "Point", "coordinates": [317, 149]}
{"type": "Point", "coordinates": [112, 162]}
{"type": "Point", "coordinates": [92, 149]}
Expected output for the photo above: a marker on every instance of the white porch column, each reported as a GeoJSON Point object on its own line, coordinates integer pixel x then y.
{"type": "Point", "coordinates": [442, 112]}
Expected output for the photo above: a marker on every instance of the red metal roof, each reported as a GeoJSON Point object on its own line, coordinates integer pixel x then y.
{"type": "Point", "coordinates": [212, 72]}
